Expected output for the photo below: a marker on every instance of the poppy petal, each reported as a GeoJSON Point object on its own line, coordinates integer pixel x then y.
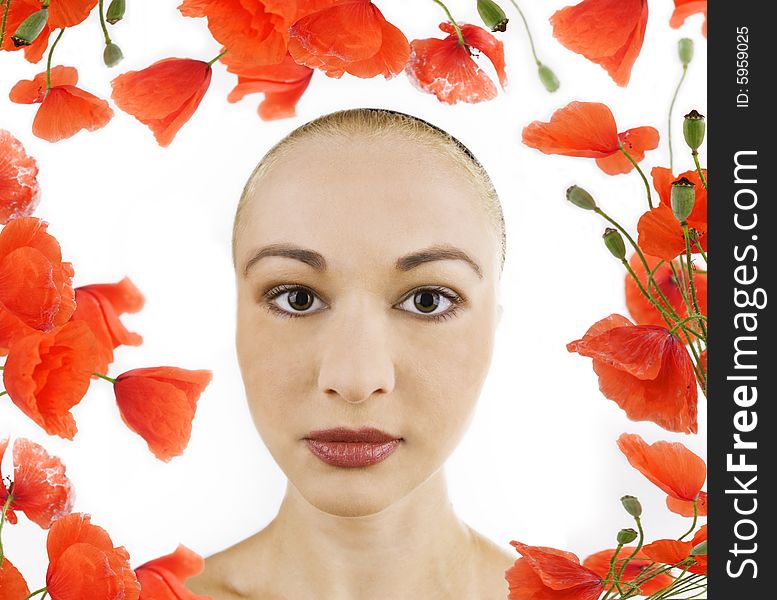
{"type": "Point", "coordinates": [389, 60]}
{"type": "Point", "coordinates": [163, 577]}
{"type": "Point", "coordinates": [685, 507]}
{"type": "Point", "coordinates": [31, 91]}
{"type": "Point", "coordinates": [669, 465]}
{"type": "Point", "coordinates": [585, 129]}
{"type": "Point", "coordinates": [66, 110]}
{"type": "Point", "coordinates": [67, 13]}
{"type": "Point", "coordinates": [557, 571]}
{"type": "Point", "coordinates": [635, 141]}
{"type": "Point", "coordinates": [684, 9]}
{"type": "Point", "coordinates": [19, 189]}
{"type": "Point", "coordinates": [660, 234]}
{"type": "Point", "coordinates": [12, 584]}
{"type": "Point", "coordinates": [666, 551]}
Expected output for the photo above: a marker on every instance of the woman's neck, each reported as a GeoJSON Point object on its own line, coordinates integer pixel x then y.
{"type": "Point", "coordinates": [415, 548]}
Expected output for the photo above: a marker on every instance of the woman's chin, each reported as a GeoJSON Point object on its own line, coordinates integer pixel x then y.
{"type": "Point", "coordinates": [355, 500]}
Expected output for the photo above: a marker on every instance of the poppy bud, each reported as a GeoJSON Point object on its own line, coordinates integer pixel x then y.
{"type": "Point", "coordinates": [632, 505]}
{"type": "Point", "coordinates": [112, 55]}
{"type": "Point", "coordinates": [614, 242]}
{"type": "Point", "coordinates": [493, 15]}
{"type": "Point", "coordinates": [115, 11]}
{"type": "Point", "coordinates": [548, 78]}
{"type": "Point", "coordinates": [626, 536]}
{"type": "Point", "coordinates": [579, 197]}
{"type": "Point", "coordinates": [683, 198]}
{"type": "Point", "coordinates": [685, 50]}
{"type": "Point", "coordinates": [693, 129]}
{"type": "Point", "coordinates": [699, 549]}
{"type": "Point", "coordinates": [30, 28]}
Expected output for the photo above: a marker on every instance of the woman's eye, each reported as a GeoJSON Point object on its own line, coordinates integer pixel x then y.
{"type": "Point", "coordinates": [293, 301]}
{"type": "Point", "coordinates": [435, 302]}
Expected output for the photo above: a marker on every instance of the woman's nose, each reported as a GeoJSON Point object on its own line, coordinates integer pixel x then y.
{"type": "Point", "coordinates": [357, 362]}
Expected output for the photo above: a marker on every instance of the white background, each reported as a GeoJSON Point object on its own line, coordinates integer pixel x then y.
{"type": "Point", "coordinates": [539, 463]}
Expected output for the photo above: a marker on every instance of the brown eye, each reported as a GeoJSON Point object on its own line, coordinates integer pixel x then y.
{"type": "Point", "coordinates": [300, 299]}
{"type": "Point", "coordinates": [434, 302]}
{"type": "Point", "coordinates": [426, 301]}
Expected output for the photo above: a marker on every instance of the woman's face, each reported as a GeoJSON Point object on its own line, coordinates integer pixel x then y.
{"type": "Point", "coordinates": [349, 316]}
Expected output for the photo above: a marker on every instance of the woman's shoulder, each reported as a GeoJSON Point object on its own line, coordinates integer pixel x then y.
{"type": "Point", "coordinates": [214, 580]}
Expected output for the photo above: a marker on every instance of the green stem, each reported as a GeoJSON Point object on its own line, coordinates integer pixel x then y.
{"type": "Point", "coordinates": [685, 320]}
{"type": "Point", "coordinates": [611, 572]}
{"type": "Point", "coordinates": [693, 524]}
{"type": "Point", "coordinates": [636, 550]}
{"type": "Point", "coordinates": [2, 27]}
{"type": "Point", "coordinates": [48, 62]}
{"type": "Point", "coordinates": [695, 155]}
{"type": "Point", "coordinates": [691, 284]}
{"type": "Point", "coordinates": [3, 393]}
{"type": "Point", "coordinates": [664, 313]}
{"type": "Point", "coordinates": [671, 108]}
{"type": "Point", "coordinates": [701, 250]}
{"type": "Point", "coordinates": [641, 174]}
{"type": "Point", "coordinates": [453, 22]}
{"type": "Point", "coordinates": [210, 62]}
{"type": "Point", "coordinates": [528, 32]}
{"type": "Point", "coordinates": [111, 379]}
{"type": "Point", "coordinates": [2, 520]}
{"type": "Point", "coordinates": [102, 24]}
{"type": "Point", "coordinates": [36, 592]}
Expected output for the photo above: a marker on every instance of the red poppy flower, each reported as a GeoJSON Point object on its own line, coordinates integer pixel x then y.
{"type": "Point", "coordinates": [19, 189]}
{"type": "Point", "coordinates": [674, 552]}
{"type": "Point", "coordinates": [641, 309]}
{"type": "Point", "coordinates": [685, 8]}
{"type": "Point", "coordinates": [83, 562]}
{"type": "Point", "coordinates": [100, 306]}
{"type": "Point", "coordinates": [660, 233]}
{"type": "Point", "coordinates": [350, 36]}
{"type": "Point", "coordinates": [599, 563]}
{"type": "Point", "coordinates": [65, 109]}
{"type": "Point", "coordinates": [607, 32]}
{"type": "Point", "coordinates": [550, 574]}
{"type": "Point", "coordinates": [282, 84]}
{"type": "Point", "coordinates": [163, 577]}
{"type": "Point", "coordinates": [256, 32]}
{"type": "Point", "coordinates": [446, 69]}
{"type": "Point", "coordinates": [40, 488]}
{"type": "Point", "coordinates": [588, 129]}
{"type": "Point", "coordinates": [644, 369]}
{"type": "Point", "coordinates": [671, 466]}
{"type": "Point", "coordinates": [47, 374]}
{"type": "Point", "coordinates": [164, 95]}
{"type": "Point", "coordinates": [12, 584]}
{"type": "Point", "coordinates": [36, 290]}
{"type": "Point", "coordinates": [158, 403]}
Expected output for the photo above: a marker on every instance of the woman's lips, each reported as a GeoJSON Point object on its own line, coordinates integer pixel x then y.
{"type": "Point", "coordinates": [342, 447]}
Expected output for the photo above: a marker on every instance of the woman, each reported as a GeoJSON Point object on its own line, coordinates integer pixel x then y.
{"type": "Point", "coordinates": [368, 247]}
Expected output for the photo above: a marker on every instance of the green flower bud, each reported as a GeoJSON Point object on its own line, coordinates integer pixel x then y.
{"type": "Point", "coordinates": [699, 549]}
{"type": "Point", "coordinates": [626, 536]}
{"type": "Point", "coordinates": [493, 15]}
{"type": "Point", "coordinates": [30, 28]}
{"type": "Point", "coordinates": [693, 129]}
{"type": "Point", "coordinates": [112, 55]}
{"type": "Point", "coordinates": [579, 197]}
{"type": "Point", "coordinates": [614, 243]}
{"type": "Point", "coordinates": [548, 78]}
{"type": "Point", "coordinates": [115, 11]}
{"type": "Point", "coordinates": [683, 198]}
{"type": "Point", "coordinates": [632, 505]}
{"type": "Point", "coordinates": [685, 50]}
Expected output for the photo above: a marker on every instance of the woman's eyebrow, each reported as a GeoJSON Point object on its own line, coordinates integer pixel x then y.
{"type": "Point", "coordinates": [404, 263]}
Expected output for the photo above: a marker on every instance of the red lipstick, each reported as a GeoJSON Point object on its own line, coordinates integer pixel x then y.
{"type": "Point", "coordinates": [350, 448]}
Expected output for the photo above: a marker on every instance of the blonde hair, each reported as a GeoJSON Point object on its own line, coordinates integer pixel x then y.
{"type": "Point", "coordinates": [377, 123]}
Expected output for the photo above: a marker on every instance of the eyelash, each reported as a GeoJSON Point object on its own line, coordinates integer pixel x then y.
{"type": "Point", "coordinates": [455, 299]}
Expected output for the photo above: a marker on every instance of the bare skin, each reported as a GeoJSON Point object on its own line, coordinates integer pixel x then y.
{"type": "Point", "coordinates": [363, 355]}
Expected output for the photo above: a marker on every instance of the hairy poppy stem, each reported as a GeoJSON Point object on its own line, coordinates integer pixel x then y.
{"type": "Point", "coordinates": [5, 16]}
{"type": "Point", "coordinates": [669, 124]}
{"type": "Point", "coordinates": [685, 320]}
{"type": "Point", "coordinates": [611, 572]}
{"type": "Point", "coordinates": [453, 22]}
{"type": "Point", "coordinates": [210, 62]}
{"type": "Point", "coordinates": [102, 24]}
{"type": "Point", "coordinates": [641, 174]}
{"type": "Point", "coordinates": [2, 520]}
{"type": "Point", "coordinates": [636, 550]}
{"type": "Point", "coordinates": [693, 524]}
{"type": "Point", "coordinates": [528, 32]}
{"type": "Point", "coordinates": [695, 155]}
{"type": "Point", "coordinates": [111, 379]}
{"type": "Point", "coordinates": [48, 62]}
{"type": "Point", "coordinates": [36, 592]}
{"type": "Point", "coordinates": [691, 284]}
